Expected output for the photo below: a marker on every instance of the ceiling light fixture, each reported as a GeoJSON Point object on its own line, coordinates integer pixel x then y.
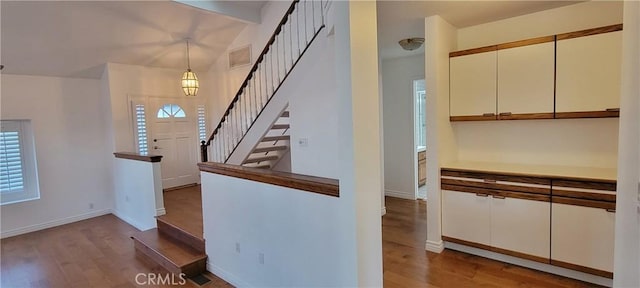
{"type": "Point", "coordinates": [410, 44]}
{"type": "Point", "coordinates": [190, 82]}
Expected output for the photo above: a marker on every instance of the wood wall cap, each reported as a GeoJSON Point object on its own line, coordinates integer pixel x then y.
{"type": "Point", "coordinates": [320, 185]}
{"type": "Point", "coordinates": [138, 156]}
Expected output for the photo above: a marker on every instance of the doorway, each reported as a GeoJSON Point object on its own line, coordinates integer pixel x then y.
{"type": "Point", "coordinates": [170, 127]}
{"type": "Point", "coordinates": [420, 130]}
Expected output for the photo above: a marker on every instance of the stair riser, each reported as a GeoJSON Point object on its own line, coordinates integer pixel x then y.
{"type": "Point", "coordinates": [155, 256]}
{"type": "Point", "coordinates": [190, 270]}
{"type": "Point", "coordinates": [181, 235]}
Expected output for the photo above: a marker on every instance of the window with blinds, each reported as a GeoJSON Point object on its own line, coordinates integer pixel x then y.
{"type": "Point", "coordinates": [202, 124]}
{"type": "Point", "coordinates": [18, 180]}
{"type": "Point", "coordinates": [141, 129]}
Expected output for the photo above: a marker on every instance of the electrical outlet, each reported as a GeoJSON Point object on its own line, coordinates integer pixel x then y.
{"type": "Point", "coordinates": [90, 205]}
{"type": "Point", "coordinates": [261, 258]}
{"type": "Point", "coordinates": [237, 247]}
{"type": "Point", "coordinates": [126, 198]}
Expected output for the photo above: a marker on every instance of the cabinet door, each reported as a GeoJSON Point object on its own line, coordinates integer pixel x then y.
{"type": "Point", "coordinates": [582, 236]}
{"type": "Point", "coordinates": [525, 80]}
{"type": "Point", "coordinates": [466, 216]}
{"type": "Point", "coordinates": [473, 84]}
{"type": "Point", "coordinates": [521, 225]}
{"type": "Point", "coordinates": [588, 73]}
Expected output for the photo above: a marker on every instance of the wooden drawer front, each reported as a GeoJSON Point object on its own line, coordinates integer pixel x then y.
{"type": "Point", "coordinates": [585, 190]}
{"type": "Point", "coordinates": [497, 182]}
{"type": "Point", "coordinates": [582, 238]}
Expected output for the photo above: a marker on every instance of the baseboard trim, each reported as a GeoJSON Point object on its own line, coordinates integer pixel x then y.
{"type": "Point", "coordinates": [531, 264]}
{"type": "Point", "coordinates": [399, 194]}
{"type": "Point", "coordinates": [161, 211]}
{"type": "Point", "coordinates": [434, 246]}
{"type": "Point", "coordinates": [54, 223]}
{"type": "Point", "coordinates": [132, 222]}
{"type": "Point", "coordinates": [384, 211]}
{"type": "Point", "coordinates": [226, 276]}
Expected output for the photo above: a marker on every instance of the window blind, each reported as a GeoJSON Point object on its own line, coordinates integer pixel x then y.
{"type": "Point", "coordinates": [11, 161]}
{"type": "Point", "coordinates": [202, 127]}
{"type": "Point", "coordinates": [141, 127]}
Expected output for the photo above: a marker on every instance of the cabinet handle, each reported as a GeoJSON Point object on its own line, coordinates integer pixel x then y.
{"type": "Point", "coordinates": [489, 181]}
{"type": "Point", "coordinates": [498, 197]}
{"type": "Point", "coordinates": [613, 110]}
{"type": "Point", "coordinates": [611, 210]}
{"type": "Point", "coordinates": [488, 114]}
{"type": "Point", "coordinates": [482, 194]}
{"type": "Point", "coordinates": [505, 114]}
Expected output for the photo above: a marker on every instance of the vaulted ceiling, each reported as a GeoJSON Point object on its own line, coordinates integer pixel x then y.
{"type": "Point", "coordinates": [74, 38]}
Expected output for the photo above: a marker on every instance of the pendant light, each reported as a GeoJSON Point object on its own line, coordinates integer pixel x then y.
{"type": "Point", "coordinates": [190, 82]}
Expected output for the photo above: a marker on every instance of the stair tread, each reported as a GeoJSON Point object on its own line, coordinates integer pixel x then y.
{"type": "Point", "coordinates": [260, 159]}
{"type": "Point", "coordinates": [168, 221]}
{"type": "Point", "coordinates": [269, 149]}
{"type": "Point", "coordinates": [285, 114]}
{"type": "Point", "coordinates": [179, 254]}
{"type": "Point", "coordinates": [280, 126]}
{"type": "Point", "coordinates": [274, 138]}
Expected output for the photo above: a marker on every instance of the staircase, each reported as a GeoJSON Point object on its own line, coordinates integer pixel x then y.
{"type": "Point", "coordinates": [297, 30]}
{"type": "Point", "coordinates": [273, 145]}
{"type": "Point", "coordinates": [173, 248]}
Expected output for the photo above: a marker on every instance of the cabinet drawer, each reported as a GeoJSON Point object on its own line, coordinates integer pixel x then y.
{"type": "Point", "coordinates": [585, 190]}
{"type": "Point", "coordinates": [496, 182]}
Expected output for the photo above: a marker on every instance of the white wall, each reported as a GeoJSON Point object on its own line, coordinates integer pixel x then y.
{"type": "Point", "coordinates": [359, 134]}
{"type": "Point", "coordinates": [627, 241]}
{"type": "Point", "coordinates": [72, 150]}
{"type": "Point", "coordinates": [140, 184]}
{"type": "Point", "coordinates": [441, 145]}
{"type": "Point", "coordinates": [399, 137]}
{"type": "Point", "coordinates": [313, 114]}
{"type": "Point", "coordinates": [127, 81]}
{"type": "Point", "coordinates": [298, 233]}
{"type": "Point", "coordinates": [578, 142]}
{"type": "Point", "coordinates": [570, 18]}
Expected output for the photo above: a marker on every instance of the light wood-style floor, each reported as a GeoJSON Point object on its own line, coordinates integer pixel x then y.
{"type": "Point", "coordinates": [184, 209]}
{"type": "Point", "coordinates": [407, 264]}
{"type": "Point", "coordinates": [99, 253]}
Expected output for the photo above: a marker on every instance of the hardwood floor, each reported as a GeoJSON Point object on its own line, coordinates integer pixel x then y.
{"type": "Point", "coordinates": [184, 209]}
{"type": "Point", "coordinates": [97, 252]}
{"type": "Point", "coordinates": [407, 264]}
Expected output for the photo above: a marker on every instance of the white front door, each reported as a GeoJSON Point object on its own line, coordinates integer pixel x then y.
{"type": "Point", "coordinates": [173, 135]}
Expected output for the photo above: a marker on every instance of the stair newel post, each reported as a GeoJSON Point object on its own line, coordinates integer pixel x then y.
{"type": "Point", "coordinates": [203, 151]}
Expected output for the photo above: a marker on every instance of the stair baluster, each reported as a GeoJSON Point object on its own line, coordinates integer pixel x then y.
{"type": "Point", "coordinates": [269, 71]}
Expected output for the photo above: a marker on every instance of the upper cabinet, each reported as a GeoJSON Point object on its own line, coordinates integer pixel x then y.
{"type": "Point", "coordinates": [473, 86]}
{"type": "Point", "coordinates": [572, 75]}
{"type": "Point", "coordinates": [588, 75]}
{"type": "Point", "coordinates": [525, 81]}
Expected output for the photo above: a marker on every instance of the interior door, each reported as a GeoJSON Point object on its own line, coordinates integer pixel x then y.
{"type": "Point", "coordinates": [173, 135]}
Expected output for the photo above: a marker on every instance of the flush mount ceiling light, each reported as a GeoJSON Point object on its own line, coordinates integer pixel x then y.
{"type": "Point", "coordinates": [411, 43]}
{"type": "Point", "coordinates": [190, 82]}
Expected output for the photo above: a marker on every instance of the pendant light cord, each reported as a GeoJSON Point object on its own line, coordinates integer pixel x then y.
{"type": "Point", "coordinates": [188, 60]}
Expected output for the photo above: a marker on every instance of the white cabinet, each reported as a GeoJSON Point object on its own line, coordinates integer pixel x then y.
{"type": "Point", "coordinates": [526, 80]}
{"type": "Point", "coordinates": [466, 216]}
{"type": "Point", "coordinates": [582, 236]}
{"type": "Point", "coordinates": [521, 225]}
{"type": "Point", "coordinates": [588, 73]}
{"type": "Point", "coordinates": [473, 84]}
